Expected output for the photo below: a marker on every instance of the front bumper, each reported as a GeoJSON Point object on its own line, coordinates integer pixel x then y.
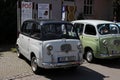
{"type": "Point", "coordinates": [60, 65]}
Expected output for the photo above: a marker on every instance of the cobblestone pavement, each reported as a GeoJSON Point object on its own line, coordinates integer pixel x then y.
{"type": "Point", "coordinates": [14, 68]}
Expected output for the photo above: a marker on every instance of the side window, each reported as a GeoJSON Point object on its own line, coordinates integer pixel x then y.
{"type": "Point", "coordinates": [26, 28]}
{"type": "Point", "coordinates": [36, 30]}
{"type": "Point", "coordinates": [90, 30]}
{"type": "Point", "coordinates": [23, 27]}
{"type": "Point", "coordinates": [79, 28]}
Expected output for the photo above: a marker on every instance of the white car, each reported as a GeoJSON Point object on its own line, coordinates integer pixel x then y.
{"type": "Point", "coordinates": [49, 44]}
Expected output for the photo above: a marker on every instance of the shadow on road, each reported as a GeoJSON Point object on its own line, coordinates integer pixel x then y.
{"type": "Point", "coordinates": [112, 63]}
{"type": "Point", "coordinates": [82, 73]}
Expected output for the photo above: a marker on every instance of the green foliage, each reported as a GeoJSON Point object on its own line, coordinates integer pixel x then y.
{"type": "Point", "coordinates": [8, 20]}
{"type": "Point", "coordinates": [116, 12]}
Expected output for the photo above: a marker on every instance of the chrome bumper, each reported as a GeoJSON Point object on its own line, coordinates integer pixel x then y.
{"type": "Point", "coordinates": [60, 65]}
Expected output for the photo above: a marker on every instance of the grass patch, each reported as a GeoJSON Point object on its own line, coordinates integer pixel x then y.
{"type": "Point", "coordinates": [13, 49]}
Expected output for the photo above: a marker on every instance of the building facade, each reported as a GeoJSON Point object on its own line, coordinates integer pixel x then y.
{"type": "Point", "coordinates": [67, 10]}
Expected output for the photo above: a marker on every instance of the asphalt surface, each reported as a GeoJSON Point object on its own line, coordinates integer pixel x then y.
{"type": "Point", "coordinates": [14, 68]}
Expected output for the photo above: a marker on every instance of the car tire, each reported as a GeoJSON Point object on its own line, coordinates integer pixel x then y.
{"type": "Point", "coordinates": [19, 55]}
{"type": "Point", "coordinates": [89, 56]}
{"type": "Point", "coordinates": [34, 64]}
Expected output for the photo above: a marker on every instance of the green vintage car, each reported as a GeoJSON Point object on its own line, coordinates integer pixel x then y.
{"type": "Point", "coordinates": [100, 39]}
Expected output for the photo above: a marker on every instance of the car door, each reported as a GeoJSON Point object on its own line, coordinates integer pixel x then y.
{"type": "Point", "coordinates": [110, 40]}
{"type": "Point", "coordinates": [25, 37]}
{"type": "Point", "coordinates": [87, 34]}
{"type": "Point", "coordinates": [79, 27]}
{"type": "Point", "coordinates": [89, 37]}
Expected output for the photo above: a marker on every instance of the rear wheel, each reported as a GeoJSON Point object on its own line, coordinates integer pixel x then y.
{"type": "Point", "coordinates": [89, 56]}
{"type": "Point", "coordinates": [34, 65]}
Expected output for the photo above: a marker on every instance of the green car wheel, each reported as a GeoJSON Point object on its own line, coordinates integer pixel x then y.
{"type": "Point", "coordinates": [89, 56]}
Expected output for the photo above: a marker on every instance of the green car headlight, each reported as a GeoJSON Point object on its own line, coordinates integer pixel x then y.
{"type": "Point", "coordinates": [105, 43]}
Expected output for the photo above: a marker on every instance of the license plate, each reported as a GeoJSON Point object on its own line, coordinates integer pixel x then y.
{"type": "Point", "coordinates": [66, 59]}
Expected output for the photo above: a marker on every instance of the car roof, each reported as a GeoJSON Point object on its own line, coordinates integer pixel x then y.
{"type": "Point", "coordinates": [93, 22]}
{"type": "Point", "coordinates": [43, 21]}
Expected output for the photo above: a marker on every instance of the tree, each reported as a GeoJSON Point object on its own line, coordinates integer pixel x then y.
{"type": "Point", "coordinates": [8, 20]}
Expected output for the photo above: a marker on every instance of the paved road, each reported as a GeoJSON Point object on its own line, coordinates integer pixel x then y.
{"type": "Point", "coordinates": [13, 68]}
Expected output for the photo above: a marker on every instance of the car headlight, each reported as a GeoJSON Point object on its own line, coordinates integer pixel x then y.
{"type": "Point", "coordinates": [49, 47]}
{"type": "Point", "coordinates": [105, 43]}
{"type": "Point", "coordinates": [79, 46]}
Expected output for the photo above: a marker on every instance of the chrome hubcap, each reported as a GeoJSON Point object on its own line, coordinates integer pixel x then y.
{"type": "Point", "coordinates": [89, 56]}
{"type": "Point", "coordinates": [34, 64]}
{"type": "Point", "coordinates": [18, 53]}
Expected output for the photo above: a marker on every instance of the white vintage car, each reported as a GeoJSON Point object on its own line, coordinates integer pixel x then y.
{"type": "Point", "coordinates": [49, 44]}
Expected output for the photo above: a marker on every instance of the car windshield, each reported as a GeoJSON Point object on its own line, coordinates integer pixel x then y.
{"type": "Point", "coordinates": [58, 31]}
{"type": "Point", "coordinates": [118, 24]}
{"type": "Point", "coordinates": [105, 29]}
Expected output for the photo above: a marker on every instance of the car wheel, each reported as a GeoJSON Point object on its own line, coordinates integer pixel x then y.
{"type": "Point", "coordinates": [18, 52]}
{"type": "Point", "coordinates": [34, 65]}
{"type": "Point", "coordinates": [89, 56]}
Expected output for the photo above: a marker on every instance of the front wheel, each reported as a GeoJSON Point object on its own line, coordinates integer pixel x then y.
{"type": "Point", "coordinates": [18, 52]}
{"type": "Point", "coordinates": [34, 65]}
{"type": "Point", "coordinates": [89, 56]}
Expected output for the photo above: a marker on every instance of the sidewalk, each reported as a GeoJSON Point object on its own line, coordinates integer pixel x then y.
{"type": "Point", "coordinates": [12, 67]}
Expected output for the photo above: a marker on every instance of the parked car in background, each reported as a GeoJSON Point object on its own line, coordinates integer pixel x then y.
{"type": "Point", "coordinates": [100, 39]}
{"type": "Point", "coordinates": [49, 44]}
{"type": "Point", "coordinates": [118, 23]}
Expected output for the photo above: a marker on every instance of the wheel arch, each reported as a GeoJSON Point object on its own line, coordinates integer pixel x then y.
{"type": "Point", "coordinates": [32, 55]}
{"type": "Point", "coordinates": [87, 49]}
{"type": "Point", "coordinates": [16, 46]}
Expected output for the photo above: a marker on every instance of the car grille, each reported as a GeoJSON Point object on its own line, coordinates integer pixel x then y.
{"type": "Point", "coordinates": [66, 48]}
